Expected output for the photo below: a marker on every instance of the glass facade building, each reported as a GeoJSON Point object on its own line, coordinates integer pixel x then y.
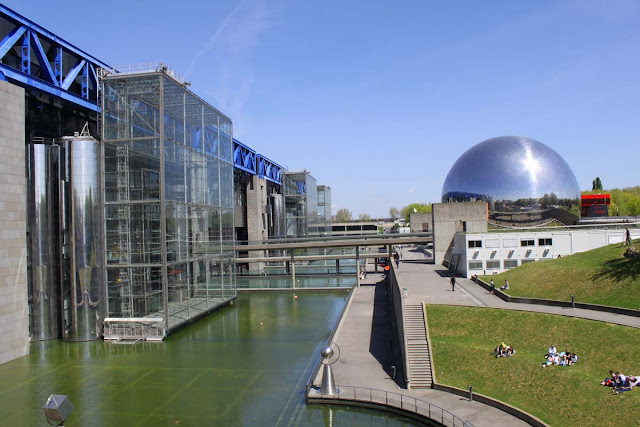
{"type": "Point", "coordinates": [324, 209]}
{"type": "Point", "coordinates": [301, 204]}
{"type": "Point", "coordinates": [169, 200]}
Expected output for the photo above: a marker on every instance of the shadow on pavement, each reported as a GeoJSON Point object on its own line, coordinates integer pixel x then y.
{"type": "Point", "coordinates": [383, 342]}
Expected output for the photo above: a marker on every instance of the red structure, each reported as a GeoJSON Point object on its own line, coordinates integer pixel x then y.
{"type": "Point", "coordinates": [594, 205]}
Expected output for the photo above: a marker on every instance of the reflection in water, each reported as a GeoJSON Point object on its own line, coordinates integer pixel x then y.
{"type": "Point", "coordinates": [245, 364]}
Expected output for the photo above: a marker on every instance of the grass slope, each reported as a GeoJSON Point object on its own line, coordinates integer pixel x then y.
{"type": "Point", "coordinates": [600, 276]}
{"type": "Point", "coordinates": [463, 337]}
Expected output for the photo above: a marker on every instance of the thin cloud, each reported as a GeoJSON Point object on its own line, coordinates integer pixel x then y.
{"type": "Point", "coordinates": [225, 61]}
{"type": "Point", "coordinates": [213, 39]}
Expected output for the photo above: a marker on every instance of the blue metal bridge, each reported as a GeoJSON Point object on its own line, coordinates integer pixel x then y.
{"type": "Point", "coordinates": [37, 59]}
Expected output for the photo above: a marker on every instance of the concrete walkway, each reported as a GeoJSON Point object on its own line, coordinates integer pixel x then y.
{"type": "Point", "coordinates": [365, 333]}
{"type": "Point", "coordinates": [366, 357]}
{"type": "Point", "coordinates": [430, 283]}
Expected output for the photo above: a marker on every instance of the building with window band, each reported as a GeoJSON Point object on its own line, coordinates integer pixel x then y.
{"type": "Point", "coordinates": [496, 252]}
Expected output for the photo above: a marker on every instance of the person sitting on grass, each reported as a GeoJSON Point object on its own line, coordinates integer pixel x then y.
{"type": "Point", "coordinates": [610, 381]}
{"type": "Point", "coordinates": [552, 350]}
{"type": "Point", "coordinates": [551, 360]}
{"type": "Point", "coordinates": [573, 358]}
{"type": "Point", "coordinates": [505, 287]}
{"type": "Point", "coordinates": [632, 380]}
{"type": "Point", "coordinates": [509, 351]}
{"type": "Point", "coordinates": [506, 351]}
{"type": "Point", "coordinates": [564, 358]}
{"type": "Point", "coordinates": [499, 350]}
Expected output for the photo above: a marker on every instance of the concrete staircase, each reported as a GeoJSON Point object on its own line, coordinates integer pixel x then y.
{"type": "Point", "coordinates": [419, 360]}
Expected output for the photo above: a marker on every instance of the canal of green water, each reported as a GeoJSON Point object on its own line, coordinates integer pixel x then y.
{"type": "Point", "coordinates": [244, 365]}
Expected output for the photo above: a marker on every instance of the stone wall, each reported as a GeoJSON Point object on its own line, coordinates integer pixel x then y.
{"type": "Point", "coordinates": [257, 220]}
{"type": "Point", "coordinates": [14, 318]}
{"type": "Point", "coordinates": [421, 221]}
{"type": "Point", "coordinates": [450, 218]}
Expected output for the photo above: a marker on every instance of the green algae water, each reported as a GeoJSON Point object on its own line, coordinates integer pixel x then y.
{"type": "Point", "coordinates": [244, 365]}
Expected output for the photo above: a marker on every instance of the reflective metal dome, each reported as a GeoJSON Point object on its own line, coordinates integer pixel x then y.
{"type": "Point", "coordinates": [515, 174]}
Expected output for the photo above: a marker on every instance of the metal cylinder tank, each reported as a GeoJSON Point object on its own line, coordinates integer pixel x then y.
{"type": "Point", "coordinates": [277, 227]}
{"type": "Point", "coordinates": [83, 279]}
{"type": "Point", "coordinates": [42, 241]}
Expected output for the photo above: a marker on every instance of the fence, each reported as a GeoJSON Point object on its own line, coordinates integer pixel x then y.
{"type": "Point", "coordinates": [400, 403]}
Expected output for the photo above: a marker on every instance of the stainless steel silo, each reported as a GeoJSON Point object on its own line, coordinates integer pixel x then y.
{"type": "Point", "coordinates": [83, 280]}
{"type": "Point", "coordinates": [42, 210]}
{"type": "Point", "coordinates": [277, 226]}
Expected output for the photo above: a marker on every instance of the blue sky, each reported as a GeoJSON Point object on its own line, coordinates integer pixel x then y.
{"type": "Point", "coordinates": [378, 99]}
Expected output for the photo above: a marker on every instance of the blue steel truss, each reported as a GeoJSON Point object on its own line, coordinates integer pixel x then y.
{"type": "Point", "coordinates": [49, 74]}
{"type": "Point", "coordinates": [269, 170]}
{"type": "Point", "coordinates": [244, 158]}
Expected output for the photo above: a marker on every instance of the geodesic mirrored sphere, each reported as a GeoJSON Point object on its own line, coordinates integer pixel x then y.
{"type": "Point", "coordinates": [515, 174]}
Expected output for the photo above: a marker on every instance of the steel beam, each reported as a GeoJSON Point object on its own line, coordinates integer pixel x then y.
{"type": "Point", "coordinates": [11, 39]}
{"type": "Point", "coordinates": [269, 170]}
{"type": "Point", "coordinates": [42, 59]}
{"type": "Point", "coordinates": [9, 14]}
{"type": "Point", "coordinates": [29, 81]}
{"type": "Point", "coordinates": [73, 73]}
{"type": "Point", "coordinates": [57, 66]}
{"type": "Point", "coordinates": [244, 158]}
{"type": "Point", "coordinates": [26, 53]}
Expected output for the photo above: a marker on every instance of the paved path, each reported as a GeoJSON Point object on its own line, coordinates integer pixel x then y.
{"type": "Point", "coordinates": [430, 283]}
{"type": "Point", "coordinates": [365, 336]}
{"type": "Point", "coordinates": [365, 358]}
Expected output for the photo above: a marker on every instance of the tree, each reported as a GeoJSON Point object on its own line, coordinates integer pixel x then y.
{"type": "Point", "coordinates": [343, 215]}
{"type": "Point", "coordinates": [634, 207]}
{"type": "Point", "coordinates": [364, 217]}
{"type": "Point", "coordinates": [415, 207]}
{"type": "Point", "coordinates": [596, 184]}
{"type": "Point", "coordinates": [394, 213]}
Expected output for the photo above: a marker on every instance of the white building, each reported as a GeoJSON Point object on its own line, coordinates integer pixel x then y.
{"type": "Point", "coordinates": [495, 252]}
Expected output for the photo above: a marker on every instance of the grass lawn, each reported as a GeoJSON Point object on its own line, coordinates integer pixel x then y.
{"type": "Point", "coordinates": [463, 337]}
{"type": "Point", "coordinates": [600, 276]}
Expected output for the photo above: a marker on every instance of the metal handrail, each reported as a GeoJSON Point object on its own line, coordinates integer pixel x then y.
{"type": "Point", "coordinates": [395, 400]}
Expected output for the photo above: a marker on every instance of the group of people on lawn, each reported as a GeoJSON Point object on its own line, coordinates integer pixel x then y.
{"type": "Point", "coordinates": [621, 382]}
{"type": "Point", "coordinates": [564, 358]}
{"type": "Point", "coordinates": [503, 350]}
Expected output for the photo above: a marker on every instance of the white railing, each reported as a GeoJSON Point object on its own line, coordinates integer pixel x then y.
{"type": "Point", "coordinates": [134, 328]}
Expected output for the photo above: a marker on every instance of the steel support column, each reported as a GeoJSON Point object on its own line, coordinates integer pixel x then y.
{"type": "Point", "coordinates": [358, 265]}
{"type": "Point", "coordinates": [26, 53]}
{"type": "Point", "coordinates": [163, 213]}
{"type": "Point", "coordinates": [293, 272]}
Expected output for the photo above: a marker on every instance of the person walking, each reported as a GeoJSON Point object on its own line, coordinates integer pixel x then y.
{"type": "Point", "coordinates": [453, 284]}
{"type": "Point", "coordinates": [493, 286]}
{"type": "Point", "coordinates": [628, 237]}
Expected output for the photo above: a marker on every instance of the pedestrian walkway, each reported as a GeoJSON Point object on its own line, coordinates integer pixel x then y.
{"type": "Point", "coordinates": [366, 358]}
{"type": "Point", "coordinates": [430, 283]}
{"type": "Point", "coordinates": [365, 336]}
